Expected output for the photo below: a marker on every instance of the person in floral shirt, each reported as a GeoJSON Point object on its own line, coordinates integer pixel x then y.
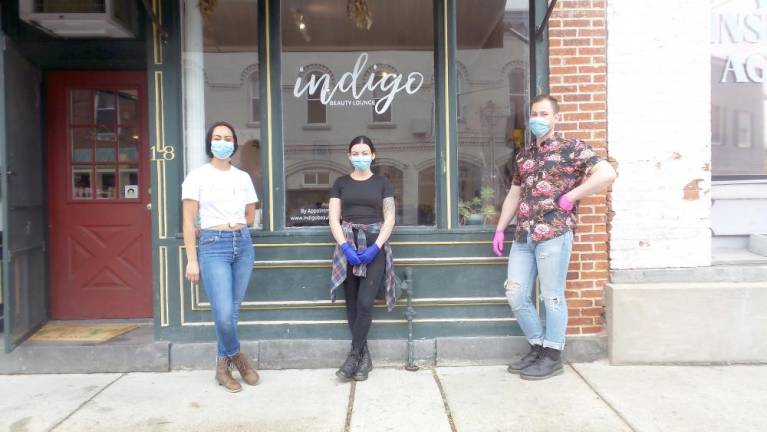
{"type": "Point", "coordinates": [551, 174]}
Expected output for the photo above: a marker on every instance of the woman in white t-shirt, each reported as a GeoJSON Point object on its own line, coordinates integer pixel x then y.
{"type": "Point", "coordinates": [225, 200]}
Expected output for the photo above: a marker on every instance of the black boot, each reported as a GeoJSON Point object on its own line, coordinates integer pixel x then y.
{"type": "Point", "coordinates": [516, 366]}
{"type": "Point", "coordinates": [548, 365]}
{"type": "Point", "coordinates": [350, 366]}
{"type": "Point", "coordinates": [366, 365]}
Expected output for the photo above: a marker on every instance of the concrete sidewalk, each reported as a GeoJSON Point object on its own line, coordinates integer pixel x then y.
{"type": "Point", "coordinates": [588, 397]}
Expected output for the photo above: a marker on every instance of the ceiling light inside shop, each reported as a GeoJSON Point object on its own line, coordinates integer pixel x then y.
{"type": "Point", "coordinates": [298, 18]}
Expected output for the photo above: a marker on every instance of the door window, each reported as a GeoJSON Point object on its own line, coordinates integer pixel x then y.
{"type": "Point", "coordinates": [103, 141]}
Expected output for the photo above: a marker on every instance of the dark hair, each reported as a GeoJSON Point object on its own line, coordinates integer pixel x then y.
{"type": "Point", "coordinates": [543, 97]}
{"type": "Point", "coordinates": [209, 137]}
{"type": "Point", "coordinates": [362, 139]}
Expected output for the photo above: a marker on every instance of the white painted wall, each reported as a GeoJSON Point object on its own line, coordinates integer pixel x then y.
{"type": "Point", "coordinates": [658, 99]}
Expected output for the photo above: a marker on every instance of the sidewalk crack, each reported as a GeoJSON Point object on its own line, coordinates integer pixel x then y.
{"type": "Point", "coordinates": [350, 406]}
{"type": "Point", "coordinates": [86, 402]}
{"type": "Point", "coordinates": [603, 399]}
{"type": "Point", "coordinates": [442, 393]}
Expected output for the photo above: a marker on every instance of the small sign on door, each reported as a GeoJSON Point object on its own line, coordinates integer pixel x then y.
{"type": "Point", "coordinates": [131, 191]}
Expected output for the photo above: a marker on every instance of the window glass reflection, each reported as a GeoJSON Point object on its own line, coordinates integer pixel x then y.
{"type": "Point", "coordinates": [221, 81]}
{"type": "Point", "coordinates": [341, 79]}
{"type": "Point", "coordinates": [738, 90]}
{"type": "Point", "coordinates": [492, 96]}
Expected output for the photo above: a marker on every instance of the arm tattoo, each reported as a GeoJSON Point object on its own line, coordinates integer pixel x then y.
{"type": "Point", "coordinates": [388, 207]}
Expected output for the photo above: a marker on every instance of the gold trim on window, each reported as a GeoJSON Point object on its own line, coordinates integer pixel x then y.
{"type": "Point", "coordinates": [343, 322]}
{"type": "Point", "coordinates": [446, 52]}
{"type": "Point", "coordinates": [156, 42]}
{"type": "Point", "coordinates": [163, 282]}
{"type": "Point", "coordinates": [269, 138]}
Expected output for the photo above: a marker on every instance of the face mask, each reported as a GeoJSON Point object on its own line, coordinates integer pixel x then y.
{"type": "Point", "coordinates": [539, 126]}
{"type": "Point", "coordinates": [361, 163]}
{"type": "Point", "coordinates": [222, 149]}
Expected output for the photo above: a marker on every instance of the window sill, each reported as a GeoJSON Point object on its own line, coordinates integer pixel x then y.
{"type": "Point", "coordinates": [323, 232]}
{"type": "Point", "coordinates": [382, 125]}
{"type": "Point", "coordinates": [317, 126]}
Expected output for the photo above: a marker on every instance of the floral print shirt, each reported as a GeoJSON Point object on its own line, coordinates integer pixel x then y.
{"type": "Point", "coordinates": [545, 172]}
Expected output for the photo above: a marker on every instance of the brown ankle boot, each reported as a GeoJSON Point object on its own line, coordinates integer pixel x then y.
{"type": "Point", "coordinates": [224, 375]}
{"type": "Point", "coordinates": [248, 374]}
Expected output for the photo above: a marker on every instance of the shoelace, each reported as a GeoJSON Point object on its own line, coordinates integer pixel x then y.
{"type": "Point", "coordinates": [239, 362]}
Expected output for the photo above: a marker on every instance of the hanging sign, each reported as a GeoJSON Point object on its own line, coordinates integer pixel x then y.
{"type": "Point", "coordinates": [389, 86]}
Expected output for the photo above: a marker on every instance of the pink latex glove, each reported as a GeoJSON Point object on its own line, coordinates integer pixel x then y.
{"type": "Point", "coordinates": [565, 203]}
{"type": "Point", "coordinates": [498, 243]}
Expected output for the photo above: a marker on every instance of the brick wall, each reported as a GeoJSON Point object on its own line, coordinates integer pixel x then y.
{"type": "Point", "coordinates": [578, 72]}
{"type": "Point", "coordinates": [659, 89]}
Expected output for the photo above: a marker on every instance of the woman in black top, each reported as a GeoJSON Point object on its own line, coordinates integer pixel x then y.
{"type": "Point", "coordinates": [361, 213]}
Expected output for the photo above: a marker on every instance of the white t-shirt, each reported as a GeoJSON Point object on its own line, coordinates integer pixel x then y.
{"type": "Point", "coordinates": [222, 195]}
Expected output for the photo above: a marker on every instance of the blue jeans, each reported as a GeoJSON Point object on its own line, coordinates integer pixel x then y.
{"type": "Point", "coordinates": [549, 261]}
{"type": "Point", "coordinates": [226, 262]}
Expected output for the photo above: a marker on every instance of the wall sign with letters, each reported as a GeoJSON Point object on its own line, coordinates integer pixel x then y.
{"type": "Point", "coordinates": [389, 85]}
{"type": "Point", "coordinates": [739, 36]}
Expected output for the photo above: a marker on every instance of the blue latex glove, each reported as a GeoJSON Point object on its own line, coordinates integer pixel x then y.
{"type": "Point", "coordinates": [351, 254]}
{"type": "Point", "coordinates": [368, 255]}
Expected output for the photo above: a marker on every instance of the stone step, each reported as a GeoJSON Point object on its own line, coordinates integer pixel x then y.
{"type": "Point", "coordinates": [690, 322]}
{"type": "Point", "coordinates": [757, 243]}
{"type": "Point", "coordinates": [714, 273]}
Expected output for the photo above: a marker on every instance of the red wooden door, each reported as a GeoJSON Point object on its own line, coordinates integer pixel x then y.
{"type": "Point", "coordinates": [98, 193]}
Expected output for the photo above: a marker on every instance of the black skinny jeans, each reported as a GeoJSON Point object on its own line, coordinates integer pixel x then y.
{"type": "Point", "coordinates": [361, 294]}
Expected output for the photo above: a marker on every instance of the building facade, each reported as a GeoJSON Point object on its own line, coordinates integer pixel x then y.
{"type": "Point", "coordinates": [442, 87]}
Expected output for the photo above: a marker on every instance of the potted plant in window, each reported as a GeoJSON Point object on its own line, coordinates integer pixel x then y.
{"type": "Point", "coordinates": [480, 209]}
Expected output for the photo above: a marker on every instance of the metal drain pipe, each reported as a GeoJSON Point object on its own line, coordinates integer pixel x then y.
{"type": "Point", "coordinates": [407, 288]}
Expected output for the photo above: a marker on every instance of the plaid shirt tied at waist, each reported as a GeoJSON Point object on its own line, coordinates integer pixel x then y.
{"type": "Point", "coordinates": [340, 264]}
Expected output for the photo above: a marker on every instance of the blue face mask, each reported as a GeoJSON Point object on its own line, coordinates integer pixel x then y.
{"type": "Point", "coordinates": [361, 163]}
{"type": "Point", "coordinates": [539, 126]}
{"type": "Point", "coordinates": [222, 149]}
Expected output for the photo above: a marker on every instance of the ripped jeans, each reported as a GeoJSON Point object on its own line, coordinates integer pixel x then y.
{"type": "Point", "coordinates": [549, 261]}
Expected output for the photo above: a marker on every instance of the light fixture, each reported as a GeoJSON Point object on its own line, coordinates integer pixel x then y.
{"type": "Point", "coordinates": [299, 21]}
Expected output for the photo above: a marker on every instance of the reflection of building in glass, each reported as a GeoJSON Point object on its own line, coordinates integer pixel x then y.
{"type": "Point", "coordinates": [738, 94]}
{"type": "Point", "coordinates": [738, 145]}
{"type": "Point", "coordinates": [221, 82]}
{"type": "Point", "coordinates": [492, 96]}
{"type": "Point", "coordinates": [403, 133]}
{"type": "Point", "coordinates": [492, 103]}
{"type": "Point", "coordinates": [493, 55]}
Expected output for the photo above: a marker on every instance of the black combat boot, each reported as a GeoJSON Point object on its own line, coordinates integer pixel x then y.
{"type": "Point", "coordinates": [548, 365]}
{"type": "Point", "coordinates": [366, 365]}
{"type": "Point", "coordinates": [516, 366]}
{"type": "Point", "coordinates": [350, 366]}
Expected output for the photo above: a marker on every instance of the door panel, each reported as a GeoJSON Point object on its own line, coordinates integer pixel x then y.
{"type": "Point", "coordinates": [99, 192]}
{"type": "Point", "coordinates": [24, 256]}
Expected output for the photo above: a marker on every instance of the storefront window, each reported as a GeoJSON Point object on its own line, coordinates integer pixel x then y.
{"type": "Point", "coordinates": [368, 72]}
{"type": "Point", "coordinates": [221, 81]}
{"type": "Point", "coordinates": [738, 92]}
{"type": "Point", "coordinates": [492, 97]}
{"type": "Point", "coordinates": [738, 136]}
